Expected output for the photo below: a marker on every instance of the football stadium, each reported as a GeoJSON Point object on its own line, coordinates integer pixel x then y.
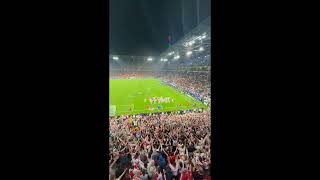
{"type": "Point", "coordinates": [148, 96]}
{"type": "Point", "coordinates": [160, 109]}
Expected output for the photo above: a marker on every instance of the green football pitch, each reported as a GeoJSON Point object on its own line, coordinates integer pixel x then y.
{"type": "Point", "coordinates": [129, 97]}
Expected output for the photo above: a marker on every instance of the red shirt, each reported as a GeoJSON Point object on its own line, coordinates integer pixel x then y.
{"type": "Point", "coordinates": [187, 175]}
{"type": "Point", "coordinates": [172, 159]}
{"type": "Point", "coordinates": [131, 174]}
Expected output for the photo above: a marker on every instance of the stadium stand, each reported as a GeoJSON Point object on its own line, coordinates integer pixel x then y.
{"type": "Point", "coordinates": [170, 145]}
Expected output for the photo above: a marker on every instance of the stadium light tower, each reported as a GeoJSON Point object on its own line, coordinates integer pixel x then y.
{"type": "Point", "coordinates": [115, 58]}
{"type": "Point", "coordinates": [204, 35]}
{"type": "Point", "coordinates": [176, 57]}
{"type": "Point", "coordinates": [170, 53]}
{"type": "Point", "coordinates": [190, 43]}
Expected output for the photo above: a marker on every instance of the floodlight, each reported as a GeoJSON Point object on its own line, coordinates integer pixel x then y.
{"type": "Point", "coordinates": [189, 53]}
{"type": "Point", "coordinates": [176, 57]}
{"type": "Point", "coordinates": [115, 57]}
{"type": "Point", "coordinates": [191, 43]}
{"type": "Point", "coordinates": [149, 59]}
{"type": "Point", "coordinates": [201, 49]}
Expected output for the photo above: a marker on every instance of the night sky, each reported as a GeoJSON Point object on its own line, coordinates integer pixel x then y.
{"type": "Point", "coordinates": [142, 27]}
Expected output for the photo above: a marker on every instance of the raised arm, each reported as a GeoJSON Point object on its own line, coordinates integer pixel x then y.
{"type": "Point", "coordinates": [161, 146]}
{"type": "Point", "coordinates": [121, 140]}
{"type": "Point", "coordinates": [124, 172]}
{"type": "Point", "coordinates": [187, 153]}
{"type": "Point", "coordinates": [163, 150]}
{"type": "Point", "coordinates": [115, 160]}
{"type": "Point", "coordinates": [123, 149]}
{"type": "Point", "coordinates": [152, 147]}
{"type": "Point", "coordinates": [175, 151]}
{"type": "Point", "coordinates": [110, 160]}
{"type": "Point", "coordinates": [164, 174]}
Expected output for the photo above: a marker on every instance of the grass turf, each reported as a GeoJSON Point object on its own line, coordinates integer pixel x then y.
{"type": "Point", "coordinates": [127, 97]}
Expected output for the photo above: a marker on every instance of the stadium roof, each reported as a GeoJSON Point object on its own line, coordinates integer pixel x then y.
{"type": "Point", "coordinates": [132, 58]}
{"type": "Point", "coordinates": [199, 37]}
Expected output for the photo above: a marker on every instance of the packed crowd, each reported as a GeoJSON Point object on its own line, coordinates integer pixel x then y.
{"type": "Point", "coordinates": [197, 83]}
{"type": "Point", "coordinates": [126, 75]}
{"type": "Point", "coordinates": [200, 60]}
{"type": "Point", "coordinates": [162, 146]}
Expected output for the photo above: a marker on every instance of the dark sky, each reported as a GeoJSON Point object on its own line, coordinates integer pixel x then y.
{"type": "Point", "coordinates": [141, 27]}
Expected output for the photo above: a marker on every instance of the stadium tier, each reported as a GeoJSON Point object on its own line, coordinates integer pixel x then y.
{"type": "Point", "coordinates": [160, 124]}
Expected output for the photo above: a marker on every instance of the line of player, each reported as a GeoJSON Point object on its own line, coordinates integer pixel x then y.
{"type": "Point", "coordinates": [159, 100]}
